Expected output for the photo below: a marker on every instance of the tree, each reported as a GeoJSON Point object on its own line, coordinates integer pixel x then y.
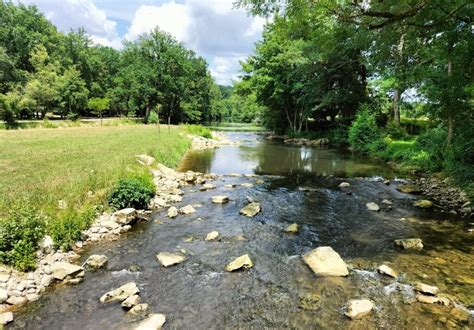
{"type": "Point", "coordinates": [72, 93]}
{"type": "Point", "coordinates": [98, 106]}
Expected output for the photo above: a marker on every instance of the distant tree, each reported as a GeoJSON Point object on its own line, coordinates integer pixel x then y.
{"type": "Point", "coordinates": [98, 106]}
{"type": "Point", "coordinates": [72, 93]}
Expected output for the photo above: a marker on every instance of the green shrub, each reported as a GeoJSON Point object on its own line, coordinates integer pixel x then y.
{"type": "Point", "coordinates": [432, 144]}
{"type": "Point", "coordinates": [363, 131]}
{"type": "Point", "coordinates": [395, 132]}
{"type": "Point", "coordinates": [339, 135]}
{"type": "Point", "coordinates": [198, 130]}
{"type": "Point", "coordinates": [152, 118]}
{"type": "Point", "coordinates": [67, 228]}
{"type": "Point", "coordinates": [20, 234]}
{"type": "Point", "coordinates": [133, 192]}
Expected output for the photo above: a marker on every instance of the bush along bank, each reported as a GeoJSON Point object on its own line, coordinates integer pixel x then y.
{"type": "Point", "coordinates": [60, 266]}
{"type": "Point", "coordinates": [445, 174]}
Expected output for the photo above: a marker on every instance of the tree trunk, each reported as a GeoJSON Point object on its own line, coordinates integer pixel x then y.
{"type": "Point", "coordinates": [396, 106]}
{"type": "Point", "coordinates": [449, 138]}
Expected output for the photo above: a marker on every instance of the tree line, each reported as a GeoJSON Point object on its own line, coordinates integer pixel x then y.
{"type": "Point", "coordinates": [43, 70]}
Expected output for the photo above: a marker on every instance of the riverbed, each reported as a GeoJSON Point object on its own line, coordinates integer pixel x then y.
{"type": "Point", "coordinates": [294, 184]}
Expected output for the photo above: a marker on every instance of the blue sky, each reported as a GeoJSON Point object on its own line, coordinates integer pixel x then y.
{"type": "Point", "coordinates": [212, 28]}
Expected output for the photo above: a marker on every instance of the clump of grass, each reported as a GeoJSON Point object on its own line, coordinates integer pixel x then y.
{"type": "Point", "coordinates": [198, 130]}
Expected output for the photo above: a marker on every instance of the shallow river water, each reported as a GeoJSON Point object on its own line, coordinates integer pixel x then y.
{"type": "Point", "coordinates": [294, 185]}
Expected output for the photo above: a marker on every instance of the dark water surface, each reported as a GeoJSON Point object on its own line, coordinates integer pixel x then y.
{"type": "Point", "coordinates": [280, 290]}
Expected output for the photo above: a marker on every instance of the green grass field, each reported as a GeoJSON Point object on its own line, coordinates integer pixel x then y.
{"type": "Point", "coordinates": [43, 166]}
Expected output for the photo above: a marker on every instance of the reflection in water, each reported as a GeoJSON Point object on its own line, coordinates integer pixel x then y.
{"type": "Point", "coordinates": [257, 155]}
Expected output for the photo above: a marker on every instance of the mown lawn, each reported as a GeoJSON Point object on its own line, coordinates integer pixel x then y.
{"type": "Point", "coordinates": [43, 166]}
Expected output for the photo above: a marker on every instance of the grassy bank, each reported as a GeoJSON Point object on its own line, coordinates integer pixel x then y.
{"type": "Point", "coordinates": [62, 177]}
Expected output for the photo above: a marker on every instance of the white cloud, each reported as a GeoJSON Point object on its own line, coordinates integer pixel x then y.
{"type": "Point", "coordinates": [225, 69]}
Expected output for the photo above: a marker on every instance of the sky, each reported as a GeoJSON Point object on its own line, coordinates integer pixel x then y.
{"type": "Point", "coordinates": [212, 28]}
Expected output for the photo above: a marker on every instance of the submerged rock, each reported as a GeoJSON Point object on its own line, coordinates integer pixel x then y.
{"type": "Point", "coordinates": [137, 309]}
{"type": "Point", "coordinates": [423, 203]}
{"type": "Point", "coordinates": [212, 236]}
{"type": "Point", "coordinates": [230, 185]}
{"type": "Point", "coordinates": [359, 308]}
{"type": "Point", "coordinates": [372, 207]}
{"type": "Point", "coordinates": [410, 189]}
{"type": "Point", "coordinates": [169, 259]}
{"type": "Point", "coordinates": [251, 210]}
{"type": "Point", "coordinates": [188, 209]}
{"type": "Point", "coordinates": [96, 261]}
{"type": "Point", "coordinates": [153, 322]}
{"type": "Point", "coordinates": [247, 185]}
{"type": "Point", "coordinates": [386, 270]}
{"type": "Point", "coordinates": [220, 199]}
{"type": "Point", "coordinates": [324, 261]}
{"type": "Point", "coordinates": [61, 270]}
{"type": "Point", "coordinates": [387, 202]}
{"type": "Point", "coordinates": [426, 289]}
{"type": "Point", "coordinates": [409, 243]}
{"type": "Point", "coordinates": [293, 228]}
{"type": "Point", "coordinates": [310, 301]}
{"type": "Point", "coordinates": [241, 262]}
{"type": "Point", "coordinates": [120, 294]}
{"type": "Point", "coordinates": [172, 212]}
{"type": "Point", "coordinates": [6, 318]}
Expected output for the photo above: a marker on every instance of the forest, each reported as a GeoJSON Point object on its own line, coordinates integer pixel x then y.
{"type": "Point", "coordinates": [392, 79]}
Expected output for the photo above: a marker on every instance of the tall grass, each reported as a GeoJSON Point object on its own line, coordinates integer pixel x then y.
{"type": "Point", "coordinates": [198, 130]}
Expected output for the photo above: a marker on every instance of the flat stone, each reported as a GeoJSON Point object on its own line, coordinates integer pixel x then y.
{"type": "Point", "coordinates": [190, 176]}
{"type": "Point", "coordinates": [292, 229]}
{"type": "Point", "coordinates": [188, 209]}
{"type": "Point", "coordinates": [387, 202]}
{"type": "Point", "coordinates": [251, 210]}
{"type": "Point", "coordinates": [426, 289]}
{"type": "Point", "coordinates": [121, 293]}
{"type": "Point", "coordinates": [13, 300]}
{"type": "Point", "coordinates": [172, 212]}
{"type": "Point", "coordinates": [410, 189]}
{"type": "Point", "coordinates": [153, 322]}
{"type": "Point", "coordinates": [359, 308]}
{"type": "Point", "coordinates": [137, 309]}
{"type": "Point", "coordinates": [3, 295]}
{"type": "Point", "coordinates": [230, 185]}
{"type": "Point", "coordinates": [62, 269]}
{"type": "Point", "coordinates": [169, 259]}
{"type": "Point", "coordinates": [208, 186]}
{"type": "Point", "coordinates": [125, 216]}
{"type": "Point", "coordinates": [6, 318]}
{"type": "Point", "coordinates": [236, 175]}
{"type": "Point", "coordinates": [372, 207]}
{"type": "Point", "coordinates": [220, 199]}
{"type": "Point", "coordinates": [423, 203]}
{"type": "Point", "coordinates": [212, 236]}
{"type": "Point", "coordinates": [247, 185]}
{"type": "Point", "coordinates": [4, 277]}
{"type": "Point", "coordinates": [324, 261]}
{"type": "Point", "coordinates": [409, 243]}
{"type": "Point", "coordinates": [97, 261]}
{"type": "Point", "coordinates": [386, 270]}
{"type": "Point", "coordinates": [344, 185]}
{"type": "Point", "coordinates": [426, 299]}
{"type": "Point", "coordinates": [109, 225]}
{"type": "Point", "coordinates": [131, 301]}
{"type": "Point", "coordinates": [243, 261]}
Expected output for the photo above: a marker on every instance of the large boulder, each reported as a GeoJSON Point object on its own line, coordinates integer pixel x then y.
{"type": "Point", "coordinates": [241, 262]}
{"type": "Point", "coordinates": [169, 259]}
{"type": "Point", "coordinates": [359, 308]}
{"type": "Point", "coordinates": [121, 293]}
{"type": "Point", "coordinates": [153, 322]}
{"type": "Point", "coordinates": [62, 270]}
{"type": "Point", "coordinates": [324, 261]}
{"type": "Point", "coordinates": [125, 216]}
{"type": "Point", "coordinates": [409, 243]}
{"type": "Point", "coordinates": [96, 261]}
{"type": "Point", "coordinates": [251, 209]}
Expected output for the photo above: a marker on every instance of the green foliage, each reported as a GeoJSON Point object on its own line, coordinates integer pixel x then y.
{"type": "Point", "coordinates": [363, 131]}
{"type": "Point", "coordinates": [20, 233]}
{"type": "Point", "coordinates": [153, 118]}
{"type": "Point", "coordinates": [198, 130]}
{"type": "Point", "coordinates": [67, 227]}
{"type": "Point", "coordinates": [135, 191]}
{"type": "Point", "coordinates": [395, 131]}
{"type": "Point", "coordinates": [98, 105]}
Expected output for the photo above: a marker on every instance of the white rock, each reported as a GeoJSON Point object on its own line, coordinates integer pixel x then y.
{"type": "Point", "coordinates": [344, 185]}
{"type": "Point", "coordinates": [427, 299]}
{"type": "Point", "coordinates": [47, 244]}
{"type": "Point", "coordinates": [172, 212]}
{"type": "Point", "coordinates": [14, 300]}
{"type": "Point", "coordinates": [3, 295]}
{"type": "Point", "coordinates": [6, 318]}
{"type": "Point", "coordinates": [220, 199]}
{"type": "Point", "coordinates": [131, 301]}
{"type": "Point", "coordinates": [409, 243]}
{"type": "Point", "coordinates": [212, 236]}
{"type": "Point", "coordinates": [372, 207]}
{"type": "Point", "coordinates": [229, 185]}
{"type": "Point", "coordinates": [247, 185]}
{"type": "Point", "coordinates": [121, 293]}
{"type": "Point", "coordinates": [137, 309]}
{"type": "Point", "coordinates": [109, 225]}
{"type": "Point", "coordinates": [387, 202]}
{"type": "Point", "coordinates": [359, 308]}
{"type": "Point", "coordinates": [145, 160]}
{"type": "Point", "coordinates": [188, 209]}
{"type": "Point", "coordinates": [62, 269]}
{"type": "Point", "coordinates": [125, 216]}
{"type": "Point", "coordinates": [46, 280]}
{"type": "Point", "coordinates": [251, 210]}
{"type": "Point", "coordinates": [241, 262]}
{"type": "Point", "coordinates": [169, 259]}
{"type": "Point", "coordinates": [96, 261]}
{"type": "Point", "coordinates": [426, 289]}
{"type": "Point", "coordinates": [153, 322]}
{"type": "Point", "coordinates": [386, 270]}
{"type": "Point", "coordinates": [208, 186]}
{"type": "Point", "coordinates": [324, 261]}
{"type": "Point", "coordinates": [292, 229]}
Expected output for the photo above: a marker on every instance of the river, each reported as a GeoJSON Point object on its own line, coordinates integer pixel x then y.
{"type": "Point", "coordinates": [294, 185]}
